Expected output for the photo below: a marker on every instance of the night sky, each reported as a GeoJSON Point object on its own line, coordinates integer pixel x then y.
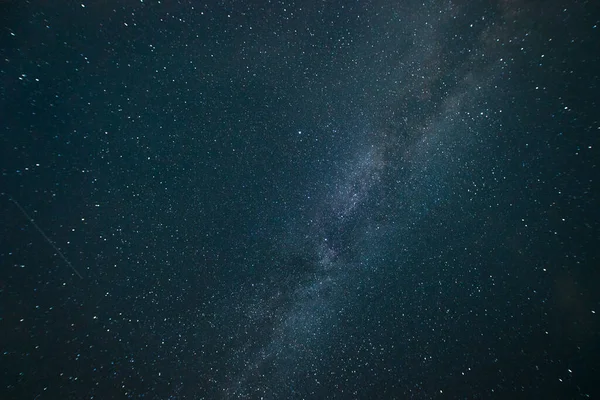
{"type": "Point", "coordinates": [299, 199]}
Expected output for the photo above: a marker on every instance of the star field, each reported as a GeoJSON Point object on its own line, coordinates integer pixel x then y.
{"type": "Point", "coordinates": [299, 200]}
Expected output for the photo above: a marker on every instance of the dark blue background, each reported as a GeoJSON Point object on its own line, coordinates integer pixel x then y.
{"type": "Point", "coordinates": [363, 199]}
